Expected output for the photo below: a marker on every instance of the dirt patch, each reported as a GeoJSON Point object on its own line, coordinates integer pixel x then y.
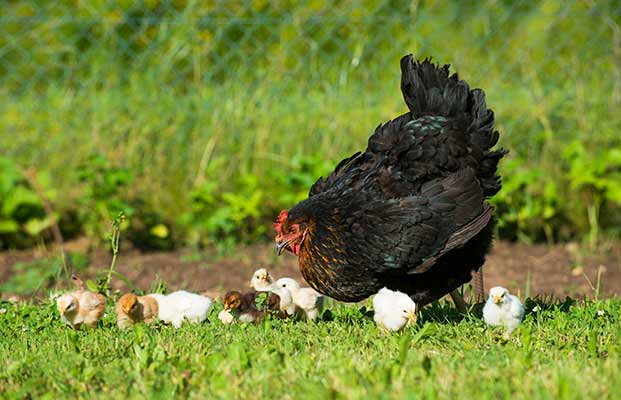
{"type": "Point", "coordinates": [559, 270]}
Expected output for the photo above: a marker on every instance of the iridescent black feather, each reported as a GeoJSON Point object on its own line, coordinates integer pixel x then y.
{"type": "Point", "coordinates": [410, 212]}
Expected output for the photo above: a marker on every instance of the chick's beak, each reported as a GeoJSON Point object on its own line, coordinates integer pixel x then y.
{"type": "Point", "coordinates": [497, 300]}
{"type": "Point", "coordinates": [412, 317]}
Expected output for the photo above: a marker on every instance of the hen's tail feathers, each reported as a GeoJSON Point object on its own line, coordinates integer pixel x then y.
{"type": "Point", "coordinates": [428, 89]}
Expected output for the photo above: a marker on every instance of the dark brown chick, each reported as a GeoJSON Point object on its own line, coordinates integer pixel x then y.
{"type": "Point", "coordinates": [244, 306]}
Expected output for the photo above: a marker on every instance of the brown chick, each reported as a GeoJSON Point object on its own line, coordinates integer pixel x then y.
{"type": "Point", "coordinates": [132, 309]}
{"type": "Point", "coordinates": [245, 308]}
{"type": "Point", "coordinates": [81, 306]}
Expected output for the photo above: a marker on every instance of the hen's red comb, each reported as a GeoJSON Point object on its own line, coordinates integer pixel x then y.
{"type": "Point", "coordinates": [281, 217]}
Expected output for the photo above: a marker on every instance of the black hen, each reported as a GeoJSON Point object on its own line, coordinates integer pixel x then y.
{"type": "Point", "coordinates": [410, 212]}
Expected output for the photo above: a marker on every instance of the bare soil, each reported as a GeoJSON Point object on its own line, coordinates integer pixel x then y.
{"type": "Point", "coordinates": [549, 270]}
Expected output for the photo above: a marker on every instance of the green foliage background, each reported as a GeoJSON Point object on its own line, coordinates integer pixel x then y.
{"type": "Point", "coordinates": [202, 119]}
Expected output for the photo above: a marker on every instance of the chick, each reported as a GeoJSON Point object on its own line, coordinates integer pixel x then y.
{"type": "Point", "coordinates": [306, 299]}
{"type": "Point", "coordinates": [132, 309]}
{"type": "Point", "coordinates": [393, 310]}
{"type": "Point", "coordinates": [81, 306]}
{"type": "Point", "coordinates": [503, 309]}
{"type": "Point", "coordinates": [244, 306]}
{"type": "Point", "coordinates": [180, 305]}
{"type": "Point", "coordinates": [262, 282]}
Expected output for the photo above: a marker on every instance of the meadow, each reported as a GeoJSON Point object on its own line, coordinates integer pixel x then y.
{"type": "Point", "coordinates": [202, 121]}
{"type": "Point", "coordinates": [562, 350]}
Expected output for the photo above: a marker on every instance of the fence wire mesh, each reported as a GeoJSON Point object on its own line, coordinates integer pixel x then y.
{"type": "Point", "coordinates": [186, 43]}
{"type": "Point", "coordinates": [182, 91]}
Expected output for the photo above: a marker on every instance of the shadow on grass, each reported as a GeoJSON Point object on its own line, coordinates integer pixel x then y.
{"type": "Point", "coordinates": [445, 312]}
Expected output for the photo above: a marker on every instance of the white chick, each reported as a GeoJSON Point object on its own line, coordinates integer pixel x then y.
{"type": "Point", "coordinates": [262, 282]}
{"type": "Point", "coordinates": [180, 305]}
{"type": "Point", "coordinates": [503, 309]}
{"type": "Point", "coordinates": [308, 300]}
{"type": "Point", "coordinates": [393, 310]}
{"type": "Point", "coordinates": [81, 307]}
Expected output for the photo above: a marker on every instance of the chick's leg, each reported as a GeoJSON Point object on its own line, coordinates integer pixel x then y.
{"type": "Point", "coordinates": [311, 315]}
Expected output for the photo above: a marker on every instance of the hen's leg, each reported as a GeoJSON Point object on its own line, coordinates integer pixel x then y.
{"type": "Point", "coordinates": [460, 304]}
{"type": "Point", "coordinates": [479, 288]}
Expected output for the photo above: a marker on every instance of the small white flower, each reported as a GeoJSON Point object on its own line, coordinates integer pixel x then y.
{"type": "Point", "coordinates": [536, 309]}
{"type": "Point", "coordinates": [600, 313]}
{"type": "Point", "coordinates": [2, 310]}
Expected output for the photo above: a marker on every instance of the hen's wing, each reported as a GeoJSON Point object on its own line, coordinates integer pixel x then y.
{"type": "Point", "coordinates": [411, 232]}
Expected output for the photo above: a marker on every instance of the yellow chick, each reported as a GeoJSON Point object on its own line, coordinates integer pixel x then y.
{"type": "Point", "coordinates": [132, 309]}
{"type": "Point", "coordinates": [262, 282]}
{"type": "Point", "coordinates": [81, 307]}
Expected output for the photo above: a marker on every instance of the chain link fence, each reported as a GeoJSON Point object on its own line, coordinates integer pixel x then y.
{"type": "Point", "coordinates": [186, 43]}
{"type": "Point", "coordinates": [184, 92]}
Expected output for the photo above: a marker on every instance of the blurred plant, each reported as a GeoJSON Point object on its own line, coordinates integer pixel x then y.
{"type": "Point", "coordinates": [148, 230]}
{"type": "Point", "coordinates": [292, 181]}
{"type": "Point", "coordinates": [320, 94]}
{"type": "Point", "coordinates": [528, 204]}
{"type": "Point", "coordinates": [103, 195]}
{"type": "Point", "coordinates": [22, 217]}
{"type": "Point", "coordinates": [596, 176]}
{"type": "Point", "coordinates": [31, 276]}
{"type": "Point", "coordinates": [228, 217]}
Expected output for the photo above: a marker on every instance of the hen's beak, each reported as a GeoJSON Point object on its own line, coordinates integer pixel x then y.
{"type": "Point", "coordinates": [63, 308]}
{"type": "Point", "coordinates": [412, 317]}
{"type": "Point", "coordinates": [280, 247]}
{"type": "Point", "coordinates": [497, 300]}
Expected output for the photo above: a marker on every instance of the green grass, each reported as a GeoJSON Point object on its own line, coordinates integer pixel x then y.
{"type": "Point", "coordinates": [567, 351]}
